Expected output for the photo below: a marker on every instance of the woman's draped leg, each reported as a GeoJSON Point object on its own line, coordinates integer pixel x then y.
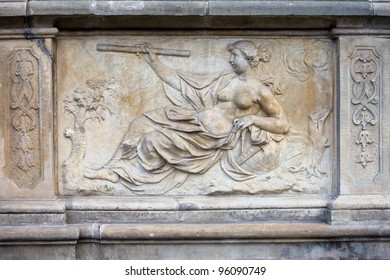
{"type": "Point", "coordinates": [126, 151]}
{"type": "Point", "coordinates": [138, 128]}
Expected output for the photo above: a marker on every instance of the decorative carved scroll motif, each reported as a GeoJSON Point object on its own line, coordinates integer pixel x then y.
{"type": "Point", "coordinates": [365, 73]}
{"type": "Point", "coordinates": [24, 118]}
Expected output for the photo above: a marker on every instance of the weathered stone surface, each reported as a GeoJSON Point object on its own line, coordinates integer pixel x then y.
{"type": "Point", "coordinates": [38, 252]}
{"type": "Point", "coordinates": [88, 203]}
{"type": "Point", "coordinates": [381, 8]}
{"type": "Point", "coordinates": [13, 8]}
{"type": "Point", "coordinates": [177, 8]}
{"type": "Point", "coordinates": [360, 208]}
{"type": "Point", "coordinates": [332, 250]}
{"type": "Point", "coordinates": [30, 233]}
{"type": "Point", "coordinates": [28, 219]}
{"type": "Point", "coordinates": [363, 119]}
{"type": "Point", "coordinates": [196, 217]}
{"type": "Point", "coordinates": [239, 230]}
{"type": "Point", "coordinates": [290, 8]}
{"type": "Point", "coordinates": [113, 145]}
{"type": "Point", "coordinates": [294, 150]}
{"type": "Point", "coordinates": [26, 126]}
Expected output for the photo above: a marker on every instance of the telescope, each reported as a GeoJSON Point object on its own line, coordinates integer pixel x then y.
{"type": "Point", "coordinates": [139, 50]}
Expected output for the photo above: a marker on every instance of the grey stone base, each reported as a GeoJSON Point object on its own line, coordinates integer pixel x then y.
{"type": "Point", "coordinates": [124, 228]}
{"type": "Point", "coordinates": [191, 250]}
{"type": "Point", "coordinates": [37, 252]}
{"type": "Point", "coordinates": [197, 241]}
{"type": "Point", "coordinates": [235, 250]}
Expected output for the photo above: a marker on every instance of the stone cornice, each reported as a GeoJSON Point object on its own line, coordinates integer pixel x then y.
{"type": "Point", "coordinates": [193, 8]}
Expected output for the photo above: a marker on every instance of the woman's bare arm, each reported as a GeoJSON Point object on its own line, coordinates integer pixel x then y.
{"type": "Point", "coordinates": [275, 121]}
{"type": "Point", "coordinates": [165, 73]}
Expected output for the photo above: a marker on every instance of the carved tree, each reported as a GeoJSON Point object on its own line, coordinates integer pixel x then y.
{"type": "Point", "coordinates": [316, 144]}
{"type": "Point", "coordinates": [94, 103]}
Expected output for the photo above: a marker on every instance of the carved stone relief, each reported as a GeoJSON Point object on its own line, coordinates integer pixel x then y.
{"type": "Point", "coordinates": [24, 118]}
{"type": "Point", "coordinates": [313, 65]}
{"type": "Point", "coordinates": [365, 98]}
{"type": "Point", "coordinates": [26, 122]}
{"type": "Point", "coordinates": [195, 116]}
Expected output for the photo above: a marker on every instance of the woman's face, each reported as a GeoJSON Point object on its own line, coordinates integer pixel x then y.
{"type": "Point", "coordinates": [239, 63]}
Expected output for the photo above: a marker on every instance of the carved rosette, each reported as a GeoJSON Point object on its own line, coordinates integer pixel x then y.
{"type": "Point", "coordinates": [25, 167]}
{"type": "Point", "coordinates": [365, 99]}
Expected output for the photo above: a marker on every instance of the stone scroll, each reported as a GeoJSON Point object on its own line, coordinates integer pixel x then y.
{"type": "Point", "coordinates": [195, 116]}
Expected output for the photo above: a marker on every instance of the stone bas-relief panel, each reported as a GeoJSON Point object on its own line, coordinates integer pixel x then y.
{"type": "Point", "coordinates": [141, 115]}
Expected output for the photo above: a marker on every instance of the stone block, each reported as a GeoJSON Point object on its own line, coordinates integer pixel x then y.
{"type": "Point", "coordinates": [26, 126]}
{"type": "Point", "coordinates": [13, 8]}
{"type": "Point", "coordinates": [317, 250]}
{"type": "Point", "coordinates": [290, 8]}
{"type": "Point", "coordinates": [105, 149]}
{"type": "Point", "coordinates": [364, 166]}
{"type": "Point", "coordinates": [112, 8]}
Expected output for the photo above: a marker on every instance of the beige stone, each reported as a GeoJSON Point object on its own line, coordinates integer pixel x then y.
{"type": "Point", "coordinates": [363, 118]}
{"type": "Point", "coordinates": [26, 126]}
{"type": "Point", "coordinates": [106, 146]}
{"type": "Point", "coordinates": [194, 129]}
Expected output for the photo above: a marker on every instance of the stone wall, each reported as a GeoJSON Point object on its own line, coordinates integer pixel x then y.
{"type": "Point", "coordinates": [194, 129]}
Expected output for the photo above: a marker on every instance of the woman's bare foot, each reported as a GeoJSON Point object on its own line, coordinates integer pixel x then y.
{"type": "Point", "coordinates": [102, 174]}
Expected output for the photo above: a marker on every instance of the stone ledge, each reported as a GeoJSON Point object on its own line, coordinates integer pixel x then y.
{"type": "Point", "coordinates": [13, 8]}
{"type": "Point", "coordinates": [199, 8]}
{"type": "Point", "coordinates": [381, 9]}
{"type": "Point", "coordinates": [360, 32]}
{"type": "Point", "coordinates": [199, 217]}
{"type": "Point", "coordinates": [240, 231]}
{"type": "Point", "coordinates": [290, 8]}
{"type": "Point", "coordinates": [32, 219]}
{"type": "Point", "coordinates": [31, 33]}
{"type": "Point", "coordinates": [359, 216]}
{"type": "Point", "coordinates": [193, 232]}
{"type": "Point", "coordinates": [238, 250]}
{"type": "Point", "coordinates": [115, 8]}
{"type": "Point", "coordinates": [39, 233]}
{"type": "Point", "coordinates": [358, 202]}
{"type": "Point", "coordinates": [31, 206]}
{"type": "Point", "coordinates": [193, 203]}
{"type": "Point", "coordinates": [17, 212]}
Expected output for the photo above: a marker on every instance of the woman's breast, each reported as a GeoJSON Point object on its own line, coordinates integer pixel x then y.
{"type": "Point", "coordinates": [238, 97]}
{"type": "Point", "coordinates": [243, 100]}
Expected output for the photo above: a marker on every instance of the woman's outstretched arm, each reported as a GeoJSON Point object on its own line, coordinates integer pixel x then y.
{"type": "Point", "coordinates": [165, 73]}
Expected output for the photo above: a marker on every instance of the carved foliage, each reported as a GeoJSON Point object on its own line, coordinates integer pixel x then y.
{"type": "Point", "coordinates": [93, 103]}
{"type": "Point", "coordinates": [365, 73]}
{"type": "Point", "coordinates": [24, 118]}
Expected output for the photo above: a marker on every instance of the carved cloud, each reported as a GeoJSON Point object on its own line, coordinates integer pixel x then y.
{"type": "Point", "coordinates": [303, 63]}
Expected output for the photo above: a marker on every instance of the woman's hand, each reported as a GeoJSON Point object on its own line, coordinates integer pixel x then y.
{"type": "Point", "coordinates": [244, 122]}
{"type": "Point", "coordinates": [151, 57]}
